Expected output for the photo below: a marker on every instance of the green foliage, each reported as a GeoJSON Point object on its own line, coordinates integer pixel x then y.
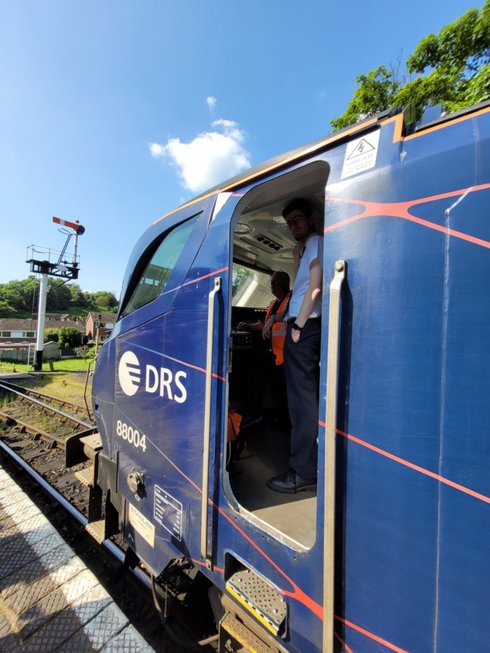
{"type": "Point", "coordinates": [69, 338]}
{"type": "Point", "coordinates": [239, 276]}
{"type": "Point", "coordinates": [78, 298]}
{"type": "Point", "coordinates": [58, 297]}
{"type": "Point", "coordinates": [19, 295]}
{"type": "Point", "coordinates": [103, 299]}
{"type": "Point", "coordinates": [373, 96]}
{"type": "Point", "coordinates": [452, 68]}
{"type": "Point", "coordinates": [85, 351]}
{"type": "Point", "coordinates": [51, 334]}
{"type": "Point", "coordinates": [6, 310]}
{"type": "Point", "coordinates": [20, 298]}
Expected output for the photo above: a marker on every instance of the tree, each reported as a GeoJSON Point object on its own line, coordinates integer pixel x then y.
{"type": "Point", "coordinates": [6, 310]}
{"type": "Point", "coordinates": [69, 337]}
{"type": "Point", "coordinates": [453, 69]}
{"type": "Point", "coordinates": [51, 334]}
{"type": "Point", "coordinates": [239, 276]}
{"type": "Point", "coordinates": [78, 298]}
{"type": "Point", "coordinates": [375, 94]}
{"type": "Point", "coordinates": [58, 297]}
{"type": "Point", "coordinates": [20, 295]}
{"type": "Point", "coordinates": [104, 299]}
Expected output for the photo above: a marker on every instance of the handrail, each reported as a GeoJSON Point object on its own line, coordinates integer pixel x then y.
{"type": "Point", "coordinates": [205, 553]}
{"type": "Point", "coordinates": [330, 433]}
{"type": "Point", "coordinates": [87, 376]}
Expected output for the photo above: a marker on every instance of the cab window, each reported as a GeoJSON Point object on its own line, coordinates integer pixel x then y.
{"type": "Point", "coordinates": [157, 271]}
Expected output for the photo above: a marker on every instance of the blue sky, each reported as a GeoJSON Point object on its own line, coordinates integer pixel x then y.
{"type": "Point", "coordinates": [115, 112]}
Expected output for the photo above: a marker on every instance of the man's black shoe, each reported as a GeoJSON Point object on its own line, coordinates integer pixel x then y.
{"type": "Point", "coordinates": [291, 482]}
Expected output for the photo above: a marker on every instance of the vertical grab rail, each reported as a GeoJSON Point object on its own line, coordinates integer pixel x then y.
{"type": "Point", "coordinates": [206, 555]}
{"type": "Point", "coordinates": [330, 436]}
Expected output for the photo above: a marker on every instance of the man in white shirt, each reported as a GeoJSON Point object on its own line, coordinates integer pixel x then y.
{"type": "Point", "coordinates": [302, 351]}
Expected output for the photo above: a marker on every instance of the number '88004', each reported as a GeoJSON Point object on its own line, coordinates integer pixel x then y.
{"type": "Point", "coordinates": [131, 435]}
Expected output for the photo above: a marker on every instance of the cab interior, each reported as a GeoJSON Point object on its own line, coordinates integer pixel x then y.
{"type": "Point", "coordinates": [262, 244]}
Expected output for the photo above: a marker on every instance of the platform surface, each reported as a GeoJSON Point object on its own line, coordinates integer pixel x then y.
{"type": "Point", "coordinates": [49, 600]}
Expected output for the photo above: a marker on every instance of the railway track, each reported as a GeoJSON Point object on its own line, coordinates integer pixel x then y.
{"type": "Point", "coordinates": [33, 430]}
{"type": "Point", "coordinates": [71, 409]}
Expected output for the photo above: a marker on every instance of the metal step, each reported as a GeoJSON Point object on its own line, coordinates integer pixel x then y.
{"type": "Point", "coordinates": [97, 530]}
{"type": "Point", "coordinates": [241, 634]}
{"type": "Point", "coordinates": [260, 599]}
{"type": "Point", "coordinates": [86, 476]}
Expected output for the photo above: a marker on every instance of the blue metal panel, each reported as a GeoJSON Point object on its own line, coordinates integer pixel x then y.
{"type": "Point", "coordinates": [389, 537]}
{"type": "Point", "coordinates": [410, 306]}
{"type": "Point", "coordinates": [464, 528]}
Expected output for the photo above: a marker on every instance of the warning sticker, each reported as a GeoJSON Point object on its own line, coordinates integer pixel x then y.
{"type": "Point", "coordinates": [168, 512]}
{"type": "Point", "coordinates": [360, 154]}
{"type": "Point", "coordinates": [141, 525]}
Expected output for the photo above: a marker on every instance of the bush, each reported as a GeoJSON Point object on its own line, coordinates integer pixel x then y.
{"type": "Point", "coordinates": [51, 334]}
{"type": "Point", "coordinates": [69, 338]}
{"type": "Point", "coordinates": [85, 351]}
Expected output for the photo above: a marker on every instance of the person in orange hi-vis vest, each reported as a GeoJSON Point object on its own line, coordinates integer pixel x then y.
{"type": "Point", "coordinates": [274, 328]}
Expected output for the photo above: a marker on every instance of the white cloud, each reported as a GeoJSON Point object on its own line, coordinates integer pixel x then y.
{"type": "Point", "coordinates": [211, 157]}
{"type": "Point", "coordinates": [211, 102]}
{"type": "Point", "coordinates": [157, 150]}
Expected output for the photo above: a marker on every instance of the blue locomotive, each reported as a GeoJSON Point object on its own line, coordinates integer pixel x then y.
{"type": "Point", "coordinates": [391, 552]}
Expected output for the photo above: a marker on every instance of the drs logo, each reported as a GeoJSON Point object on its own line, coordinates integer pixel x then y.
{"type": "Point", "coordinates": [129, 372]}
{"type": "Point", "coordinates": [157, 380]}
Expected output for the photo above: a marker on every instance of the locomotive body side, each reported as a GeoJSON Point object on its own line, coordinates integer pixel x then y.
{"type": "Point", "coordinates": [408, 215]}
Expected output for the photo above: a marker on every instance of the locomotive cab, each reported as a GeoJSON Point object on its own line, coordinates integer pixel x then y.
{"type": "Point", "coordinates": [174, 369]}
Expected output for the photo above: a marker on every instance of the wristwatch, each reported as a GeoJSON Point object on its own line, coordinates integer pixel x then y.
{"type": "Point", "coordinates": [296, 327]}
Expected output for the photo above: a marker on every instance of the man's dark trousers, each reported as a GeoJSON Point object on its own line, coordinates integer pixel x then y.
{"type": "Point", "coordinates": [301, 364]}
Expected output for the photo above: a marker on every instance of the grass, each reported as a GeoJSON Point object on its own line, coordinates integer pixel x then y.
{"type": "Point", "coordinates": [61, 365]}
{"type": "Point", "coordinates": [67, 380]}
{"type": "Point", "coordinates": [69, 387]}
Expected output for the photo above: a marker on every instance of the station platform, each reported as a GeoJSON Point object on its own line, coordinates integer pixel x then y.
{"type": "Point", "coordinates": [49, 600]}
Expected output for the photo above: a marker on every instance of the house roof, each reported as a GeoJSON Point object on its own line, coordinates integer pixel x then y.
{"type": "Point", "coordinates": [104, 317]}
{"type": "Point", "coordinates": [30, 324]}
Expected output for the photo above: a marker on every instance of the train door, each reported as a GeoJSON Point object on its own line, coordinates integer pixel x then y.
{"type": "Point", "coordinates": [262, 245]}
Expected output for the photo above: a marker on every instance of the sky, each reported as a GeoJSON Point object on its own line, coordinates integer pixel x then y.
{"type": "Point", "coordinates": [114, 112]}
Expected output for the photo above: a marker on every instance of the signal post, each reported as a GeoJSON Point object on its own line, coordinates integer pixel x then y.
{"type": "Point", "coordinates": [65, 267]}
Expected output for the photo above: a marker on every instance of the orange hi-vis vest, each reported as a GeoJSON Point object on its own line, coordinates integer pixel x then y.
{"type": "Point", "coordinates": [278, 332]}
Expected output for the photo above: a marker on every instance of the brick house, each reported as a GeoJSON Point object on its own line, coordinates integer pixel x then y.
{"type": "Point", "coordinates": [105, 323]}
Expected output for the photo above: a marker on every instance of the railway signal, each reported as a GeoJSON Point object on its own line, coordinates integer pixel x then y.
{"type": "Point", "coordinates": [47, 262]}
